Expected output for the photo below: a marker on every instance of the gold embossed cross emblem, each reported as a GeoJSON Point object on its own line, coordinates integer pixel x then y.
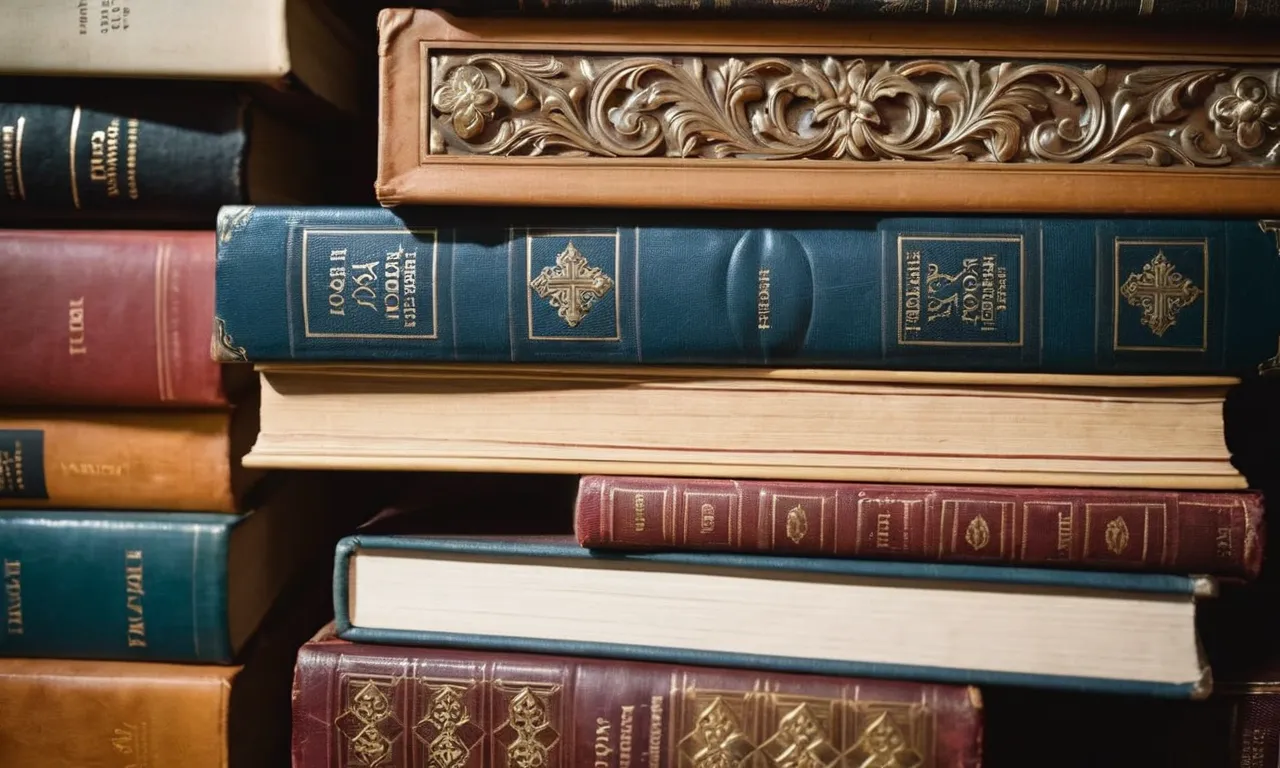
{"type": "Point", "coordinates": [572, 286]}
{"type": "Point", "coordinates": [1161, 292]}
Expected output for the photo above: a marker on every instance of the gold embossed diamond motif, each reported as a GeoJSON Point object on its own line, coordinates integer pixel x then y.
{"type": "Point", "coordinates": [883, 745]}
{"type": "Point", "coordinates": [369, 724]}
{"type": "Point", "coordinates": [718, 739]}
{"type": "Point", "coordinates": [1161, 292]}
{"type": "Point", "coordinates": [446, 726]}
{"type": "Point", "coordinates": [572, 286]}
{"type": "Point", "coordinates": [528, 733]}
{"type": "Point", "coordinates": [801, 741]}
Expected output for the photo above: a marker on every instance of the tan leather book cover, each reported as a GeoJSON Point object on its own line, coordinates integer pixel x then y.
{"type": "Point", "coordinates": [173, 460]}
{"type": "Point", "coordinates": [891, 116]}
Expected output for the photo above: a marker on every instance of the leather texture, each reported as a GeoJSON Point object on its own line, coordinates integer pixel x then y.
{"type": "Point", "coordinates": [1220, 534]}
{"type": "Point", "coordinates": [1217, 10]}
{"type": "Point", "coordinates": [134, 586]}
{"type": "Point", "coordinates": [352, 284]}
{"type": "Point", "coordinates": [403, 707]}
{"type": "Point", "coordinates": [100, 150]}
{"type": "Point", "coordinates": [124, 322]}
{"type": "Point", "coordinates": [175, 460]}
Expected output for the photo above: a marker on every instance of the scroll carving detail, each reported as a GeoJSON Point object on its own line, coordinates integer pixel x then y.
{"type": "Point", "coordinates": [852, 110]}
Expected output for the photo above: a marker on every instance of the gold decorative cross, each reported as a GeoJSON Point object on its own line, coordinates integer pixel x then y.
{"type": "Point", "coordinates": [1161, 292]}
{"type": "Point", "coordinates": [572, 286]}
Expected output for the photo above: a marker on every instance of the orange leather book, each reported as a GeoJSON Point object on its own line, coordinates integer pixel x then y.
{"type": "Point", "coordinates": [174, 460]}
{"type": "Point", "coordinates": [804, 114]}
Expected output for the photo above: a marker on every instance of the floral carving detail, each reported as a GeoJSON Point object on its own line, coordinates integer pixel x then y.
{"type": "Point", "coordinates": [1247, 114]}
{"type": "Point", "coordinates": [467, 97]}
{"type": "Point", "coordinates": [850, 110]}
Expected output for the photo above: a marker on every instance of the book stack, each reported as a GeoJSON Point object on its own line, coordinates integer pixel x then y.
{"type": "Point", "coordinates": [892, 356]}
{"type": "Point", "coordinates": [155, 590]}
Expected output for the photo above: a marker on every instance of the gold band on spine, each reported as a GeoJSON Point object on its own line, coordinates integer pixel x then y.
{"type": "Point", "coordinates": [17, 158]}
{"type": "Point", "coordinates": [75, 129]}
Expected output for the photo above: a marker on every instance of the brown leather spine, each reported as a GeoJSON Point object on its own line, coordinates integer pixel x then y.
{"type": "Point", "coordinates": [397, 707]}
{"type": "Point", "coordinates": [119, 318]}
{"type": "Point", "coordinates": [109, 714]}
{"type": "Point", "coordinates": [734, 114]}
{"type": "Point", "coordinates": [174, 460]}
{"type": "Point", "coordinates": [1219, 534]}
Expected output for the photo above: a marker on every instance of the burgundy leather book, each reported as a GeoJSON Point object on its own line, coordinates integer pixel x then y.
{"type": "Point", "coordinates": [1218, 534]}
{"type": "Point", "coordinates": [397, 707]}
{"type": "Point", "coordinates": [108, 318]}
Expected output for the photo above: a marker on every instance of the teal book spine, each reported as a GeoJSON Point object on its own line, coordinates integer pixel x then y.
{"type": "Point", "coordinates": [1052, 295]}
{"type": "Point", "coordinates": [136, 586]}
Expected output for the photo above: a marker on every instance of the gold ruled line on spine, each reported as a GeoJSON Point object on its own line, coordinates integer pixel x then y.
{"type": "Point", "coordinates": [1146, 7]}
{"type": "Point", "coordinates": [1242, 7]}
{"type": "Point", "coordinates": [162, 323]}
{"type": "Point", "coordinates": [75, 129]}
{"type": "Point", "coordinates": [949, 7]}
{"type": "Point", "coordinates": [1050, 7]}
{"type": "Point", "coordinates": [17, 159]}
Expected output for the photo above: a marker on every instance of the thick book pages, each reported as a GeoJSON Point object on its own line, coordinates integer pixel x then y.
{"type": "Point", "coordinates": [1049, 10]}
{"type": "Point", "coordinates": [116, 459]}
{"type": "Point", "coordinates": [1132, 296]}
{"type": "Point", "coordinates": [780, 424]}
{"type": "Point", "coordinates": [402, 707]}
{"type": "Point", "coordinates": [893, 116]}
{"type": "Point", "coordinates": [980, 625]}
{"type": "Point", "coordinates": [165, 586]}
{"type": "Point", "coordinates": [1219, 534]}
{"type": "Point", "coordinates": [123, 319]}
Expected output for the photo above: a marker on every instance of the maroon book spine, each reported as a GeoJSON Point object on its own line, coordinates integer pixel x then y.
{"type": "Point", "coordinates": [395, 707]}
{"type": "Point", "coordinates": [108, 318]}
{"type": "Point", "coordinates": [1219, 534]}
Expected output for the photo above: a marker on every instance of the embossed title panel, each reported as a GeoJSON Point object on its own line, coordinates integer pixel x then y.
{"type": "Point", "coordinates": [802, 116]}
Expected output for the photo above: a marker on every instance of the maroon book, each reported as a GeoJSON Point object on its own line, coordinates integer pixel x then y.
{"type": "Point", "coordinates": [1218, 534]}
{"type": "Point", "coordinates": [108, 318]}
{"type": "Point", "coordinates": [396, 707]}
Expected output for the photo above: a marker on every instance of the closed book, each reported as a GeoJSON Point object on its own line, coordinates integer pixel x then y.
{"type": "Point", "coordinates": [157, 154]}
{"type": "Point", "coordinates": [164, 586]}
{"type": "Point", "coordinates": [116, 459]}
{"type": "Point", "coordinates": [979, 625]}
{"type": "Point", "coordinates": [1049, 11]}
{"type": "Point", "coordinates": [1220, 534]}
{"type": "Point", "coordinates": [122, 319]}
{"type": "Point", "coordinates": [821, 115]}
{"type": "Point", "coordinates": [358, 704]}
{"type": "Point", "coordinates": [294, 44]}
{"type": "Point", "coordinates": [1048, 295]}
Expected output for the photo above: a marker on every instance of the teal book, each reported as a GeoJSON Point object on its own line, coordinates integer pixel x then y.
{"type": "Point", "coordinates": [1053, 295]}
{"type": "Point", "coordinates": [160, 586]}
{"type": "Point", "coordinates": [969, 624]}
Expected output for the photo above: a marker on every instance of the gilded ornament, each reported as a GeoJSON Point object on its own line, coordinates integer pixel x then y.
{"type": "Point", "coordinates": [1116, 536]}
{"type": "Point", "coordinates": [447, 727]}
{"type": "Point", "coordinates": [851, 110]}
{"type": "Point", "coordinates": [232, 219]}
{"type": "Point", "coordinates": [977, 534]}
{"type": "Point", "coordinates": [883, 745]}
{"type": "Point", "coordinates": [1161, 292]}
{"type": "Point", "coordinates": [369, 724]}
{"type": "Point", "coordinates": [719, 737]}
{"type": "Point", "coordinates": [801, 741]}
{"type": "Point", "coordinates": [222, 347]}
{"type": "Point", "coordinates": [528, 717]}
{"type": "Point", "coordinates": [572, 286]}
{"type": "Point", "coordinates": [797, 523]}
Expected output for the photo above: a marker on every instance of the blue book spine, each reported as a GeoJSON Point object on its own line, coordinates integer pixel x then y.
{"type": "Point", "coordinates": [136, 586]}
{"type": "Point", "coordinates": [1122, 296]}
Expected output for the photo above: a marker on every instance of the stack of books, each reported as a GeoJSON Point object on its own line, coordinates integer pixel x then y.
{"type": "Point", "coordinates": [155, 590]}
{"type": "Point", "coordinates": [893, 357]}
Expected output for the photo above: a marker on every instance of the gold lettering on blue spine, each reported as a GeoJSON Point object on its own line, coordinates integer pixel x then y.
{"type": "Point", "coordinates": [1161, 296]}
{"type": "Point", "coordinates": [370, 283]}
{"type": "Point", "coordinates": [960, 290]}
{"type": "Point", "coordinates": [598, 250]}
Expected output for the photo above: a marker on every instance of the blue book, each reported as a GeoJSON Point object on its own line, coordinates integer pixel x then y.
{"type": "Point", "coordinates": [1110, 296]}
{"type": "Point", "coordinates": [162, 586]}
{"type": "Point", "coordinates": [984, 625]}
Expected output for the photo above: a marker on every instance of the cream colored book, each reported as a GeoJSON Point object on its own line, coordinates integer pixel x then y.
{"type": "Point", "coordinates": [238, 40]}
{"type": "Point", "coordinates": [777, 424]}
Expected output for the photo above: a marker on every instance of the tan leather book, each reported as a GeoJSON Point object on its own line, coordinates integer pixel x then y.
{"type": "Point", "coordinates": [883, 116]}
{"type": "Point", "coordinates": [174, 460]}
